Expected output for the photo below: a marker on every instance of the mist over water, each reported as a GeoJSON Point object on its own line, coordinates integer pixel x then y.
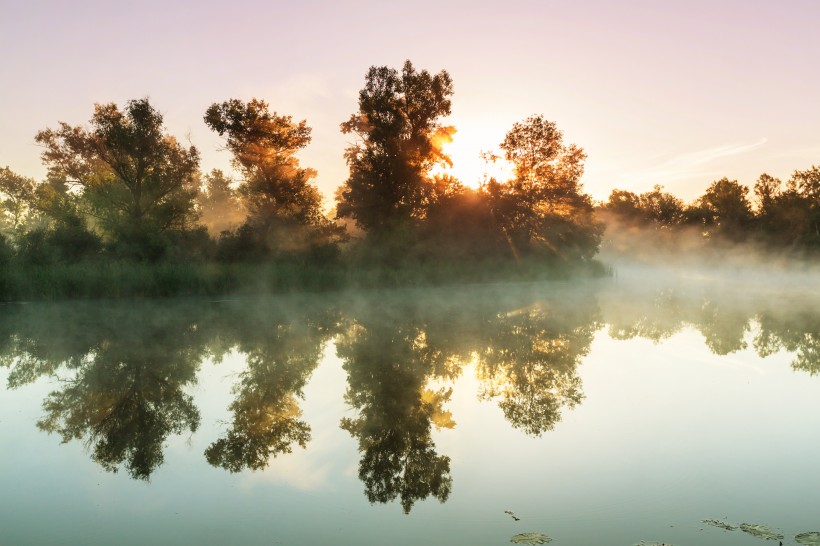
{"type": "Point", "coordinates": [401, 409]}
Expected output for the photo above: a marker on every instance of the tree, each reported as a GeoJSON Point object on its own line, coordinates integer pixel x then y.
{"type": "Point", "coordinates": [807, 185]}
{"type": "Point", "coordinates": [400, 139]}
{"type": "Point", "coordinates": [767, 189]}
{"type": "Point", "coordinates": [543, 207]}
{"type": "Point", "coordinates": [16, 196]}
{"type": "Point", "coordinates": [219, 203]}
{"type": "Point", "coordinates": [135, 179]}
{"type": "Point", "coordinates": [285, 208]}
{"type": "Point", "coordinates": [624, 204]}
{"type": "Point", "coordinates": [662, 208]}
{"type": "Point", "coordinates": [724, 208]}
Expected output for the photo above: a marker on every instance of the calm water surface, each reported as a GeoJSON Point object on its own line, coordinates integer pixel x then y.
{"type": "Point", "coordinates": [600, 413]}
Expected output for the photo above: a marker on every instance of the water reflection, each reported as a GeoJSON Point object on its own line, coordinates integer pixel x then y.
{"type": "Point", "coordinates": [124, 371]}
{"type": "Point", "coordinates": [281, 347]}
{"type": "Point", "coordinates": [726, 316]}
{"type": "Point", "coordinates": [389, 366]}
{"type": "Point", "coordinates": [530, 358]}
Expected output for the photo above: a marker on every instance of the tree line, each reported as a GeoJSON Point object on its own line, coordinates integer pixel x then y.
{"type": "Point", "coordinates": [122, 187]}
{"type": "Point", "coordinates": [782, 215]}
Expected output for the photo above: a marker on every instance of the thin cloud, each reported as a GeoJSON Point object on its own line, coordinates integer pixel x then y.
{"type": "Point", "coordinates": [699, 164]}
{"type": "Point", "coordinates": [692, 164]}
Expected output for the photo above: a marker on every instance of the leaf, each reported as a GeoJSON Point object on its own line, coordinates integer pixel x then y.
{"type": "Point", "coordinates": [531, 538]}
{"type": "Point", "coordinates": [722, 524]}
{"type": "Point", "coordinates": [760, 531]}
{"type": "Point", "coordinates": [808, 539]}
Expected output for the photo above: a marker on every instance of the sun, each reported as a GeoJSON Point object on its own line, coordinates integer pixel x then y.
{"type": "Point", "coordinates": [467, 147]}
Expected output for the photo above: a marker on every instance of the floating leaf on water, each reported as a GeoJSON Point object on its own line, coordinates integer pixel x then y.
{"type": "Point", "coordinates": [760, 531]}
{"type": "Point", "coordinates": [808, 539]}
{"type": "Point", "coordinates": [531, 538]}
{"type": "Point", "coordinates": [722, 524]}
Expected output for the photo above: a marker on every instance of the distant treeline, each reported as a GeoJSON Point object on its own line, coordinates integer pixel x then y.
{"type": "Point", "coordinates": [785, 216]}
{"type": "Point", "coordinates": [127, 205]}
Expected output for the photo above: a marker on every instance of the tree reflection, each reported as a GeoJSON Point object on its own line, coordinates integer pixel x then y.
{"type": "Point", "coordinates": [280, 359]}
{"type": "Point", "coordinates": [531, 358]}
{"type": "Point", "coordinates": [127, 368]}
{"type": "Point", "coordinates": [390, 367]}
{"type": "Point", "coordinates": [797, 331]}
{"type": "Point", "coordinates": [724, 316]}
{"type": "Point", "coordinates": [400, 352]}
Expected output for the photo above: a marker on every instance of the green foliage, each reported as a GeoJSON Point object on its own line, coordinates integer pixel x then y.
{"type": "Point", "coordinates": [134, 180]}
{"type": "Point", "coordinates": [400, 138]}
{"type": "Point", "coordinates": [67, 242]}
{"type": "Point", "coordinates": [16, 197]}
{"type": "Point", "coordinates": [6, 251]}
{"type": "Point", "coordinates": [653, 208]}
{"type": "Point", "coordinates": [265, 411]}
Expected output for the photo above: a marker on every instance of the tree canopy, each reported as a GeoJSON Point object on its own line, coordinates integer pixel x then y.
{"type": "Point", "coordinates": [284, 206]}
{"type": "Point", "coordinates": [135, 179]}
{"type": "Point", "coordinates": [543, 207]}
{"type": "Point", "coordinates": [400, 137]}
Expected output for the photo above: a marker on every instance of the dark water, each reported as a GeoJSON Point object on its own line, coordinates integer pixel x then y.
{"type": "Point", "coordinates": [598, 413]}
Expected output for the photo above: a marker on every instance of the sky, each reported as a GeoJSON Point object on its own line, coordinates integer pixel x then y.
{"type": "Point", "coordinates": [677, 93]}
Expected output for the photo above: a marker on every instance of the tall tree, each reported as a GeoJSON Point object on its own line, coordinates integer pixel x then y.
{"type": "Point", "coordinates": [135, 179]}
{"type": "Point", "coordinates": [400, 139]}
{"type": "Point", "coordinates": [285, 207]}
{"type": "Point", "coordinates": [543, 206]}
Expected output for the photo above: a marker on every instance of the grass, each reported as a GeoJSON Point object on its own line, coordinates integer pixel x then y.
{"type": "Point", "coordinates": [123, 279]}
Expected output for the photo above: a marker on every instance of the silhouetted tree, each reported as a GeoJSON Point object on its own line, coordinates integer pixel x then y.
{"type": "Point", "coordinates": [662, 208]}
{"type": "Point", "coordinates": [135, 180]}
{"type": "Point", "coordinates": [807, 185]}
{"type": "Point", "coordinates": [625, 204]}
{"type": "Point", "coordinates": [767, 189]}
{"type": "Point", "coordinates": [543, 208]}
{"type": "Point", "coordinates": [724, 209]}
{"type": "Point", "coordinates": [400, 137]}
{"type": "Point", "coordinates": [284, 207]}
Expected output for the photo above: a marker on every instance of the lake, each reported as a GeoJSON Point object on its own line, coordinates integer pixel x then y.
{"type": "Point", "coordinates": [600, 412]}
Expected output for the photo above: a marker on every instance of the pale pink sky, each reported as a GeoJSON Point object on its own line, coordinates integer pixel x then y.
{"type": "Point", "coordinates": [675, 93]}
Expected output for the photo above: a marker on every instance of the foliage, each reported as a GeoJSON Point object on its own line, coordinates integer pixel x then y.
{"type": "Point", "coordinates": [400, 139]}
{"type": "Point", "coordinates": [219, 204]}
{"type": "Point", "coordinates": [724, 208]}
{"type": "Point", "coordinates": [266, 414]}
{"type": "Point", "coordinates": [16, 196]}
{"type": "Point", "coordinates": [284, 207]}
{"type": "Point", "coordinates": [134, 180]}
{"type": "Point", "coordinates": [542, 209]}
